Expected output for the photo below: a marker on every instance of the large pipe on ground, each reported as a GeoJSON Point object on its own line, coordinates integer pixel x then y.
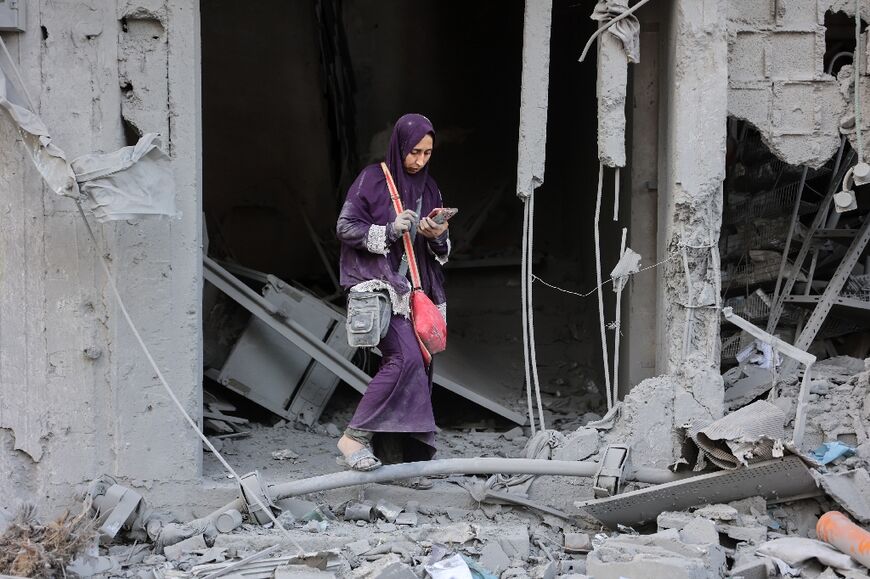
{"type": "Point", "coordinates": [451, 466]}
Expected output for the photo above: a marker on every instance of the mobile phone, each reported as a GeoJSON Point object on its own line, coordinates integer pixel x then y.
{"type": "Point", "coordinates": [442, 214]}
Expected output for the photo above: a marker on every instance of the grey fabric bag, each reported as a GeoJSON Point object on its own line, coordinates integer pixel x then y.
{"type": "Point", "coordinates": [368, 318]}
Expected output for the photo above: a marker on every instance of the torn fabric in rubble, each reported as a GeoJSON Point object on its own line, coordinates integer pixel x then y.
{"type": "Point", "coordinates": [130, 183]}
{"type": "Point", "coordinates": [751, 434]}
{"type": "Point", "coordinates": [50, 161]}
{"type": "Point", "coordinates": [626, 30]}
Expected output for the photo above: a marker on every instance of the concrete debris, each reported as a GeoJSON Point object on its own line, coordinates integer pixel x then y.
{"type": "Point", "coordinates": [493, 557]}
{"type": "Point", "coordinates": [661, 555]}
{"type": "Point", "coordinates": [182, 548]}
{"type": "Point", "coordinates": [852, 490]}
{"type": "Point", "coordinates": [795, 551]}
{"type": "Point", "coordinates": [578, 542]}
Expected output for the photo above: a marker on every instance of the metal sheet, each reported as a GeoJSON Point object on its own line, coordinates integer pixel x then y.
{"type": "Point", "coordinates": [774, 480]}
{"type": "Point", "coordinates": [464, 370]}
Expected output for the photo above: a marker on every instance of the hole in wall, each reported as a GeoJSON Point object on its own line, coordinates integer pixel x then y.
{"type": "Point", "coordinates": [839, 40]}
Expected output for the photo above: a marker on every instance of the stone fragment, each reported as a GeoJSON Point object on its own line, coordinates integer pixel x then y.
{"type": "Point", "coordinates": [388, 510]}
{"type": "Point", "coordinates": [301, 572]}
{"type": "Point", "coordinates": [359, 547]}
{"type": "Point", "coordinates": [578, 542]}
{"type": "Point", "coordinates": [544, 571]}
{"type": "Point", "coordinates": [572, 567]}
{"type": "Point", "coordinates": [332, 430]}
{"type": "Point", "coordinates": [387, 567]}
{"type": "Point", "coordinates": [407, 519]}
{"type": "Point", "coordinates": [718, 512]}
{"type": "Point", "coordinates": [514, 539]}
{"type": "Point", "coordinates": [178, 550]}
{"type": "Point", "coordinates": [493, 558]}
{"type": "Point", "coordinates": [756, 569]}
{"type": "Point", "coordinates": [674, 520]}
{"type": "Point", "coordinates": [700, 532]}
{"type": "Point", "coordinates": [754, 535]}
{"type": "Point", "coordinates": [579, 445]}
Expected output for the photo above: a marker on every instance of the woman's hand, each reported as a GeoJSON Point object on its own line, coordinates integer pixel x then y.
{"type": "Point", "coordinates": [404, 221]}
{"type": "Point", "coordinates": [429, 229]}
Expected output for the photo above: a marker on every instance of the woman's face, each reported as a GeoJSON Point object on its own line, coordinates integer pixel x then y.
{"type": "Point", "coordinates": [419, 155]}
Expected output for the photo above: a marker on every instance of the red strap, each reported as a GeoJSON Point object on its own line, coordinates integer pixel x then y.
{"type": "Point", "coordinates": [406, 237]}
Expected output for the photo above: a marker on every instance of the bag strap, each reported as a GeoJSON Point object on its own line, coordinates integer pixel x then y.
{"type": "Point", "coordinates": [406, 237]}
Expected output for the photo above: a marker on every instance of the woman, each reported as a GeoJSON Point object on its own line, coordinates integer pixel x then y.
{"type": "Point", "coordinates": [396, 411]}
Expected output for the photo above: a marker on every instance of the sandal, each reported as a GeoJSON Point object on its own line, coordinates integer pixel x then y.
{"type": "Point", "coordinates": [419, 483]}
{"type": "Point", "coordinates": [355, 459]}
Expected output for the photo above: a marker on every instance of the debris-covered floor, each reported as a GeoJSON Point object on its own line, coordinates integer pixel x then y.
{"type": "Point", "coordinates": [454, 530]}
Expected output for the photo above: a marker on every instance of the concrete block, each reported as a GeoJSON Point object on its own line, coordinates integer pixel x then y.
{"type": "Point", "coordinates": [388, 567]}
{"type": "Point", "coordinates": [493, 558]}
{"type": "Point", "coordinates": [674, 520]}
{"type": "Point", "coordinates": [753, 535]}
{"type": "Point", "coordinates": [572, 567]}
{"type": "Point", "coordinates": [646, 567]}
{"type": "Point", "coordinates": [746, 56]}
{"type": "Point", "coordinates": [792, 56]}
{"type": "Point", "coordinates": [756, 569]}
{"type": "Point", "coordinates": [579, 445]}
{"type": "Point", "coordinates": [544, 571]}
{"type": "Point", "coordinates": [756, 13]}
{"type": "Point", "coordinates": [794, 110]}
{"type": "Point", "coordinates": [301, 572]}
{"type": "Point", "coordinates": [718, 512]}
{"type": "Point", "coordinates": [800, 14]}
{"type": "Point", "coordinates": [359, 547]}
{"type": "Point", "coordinates": [514, 539]}
{"type": "Point", "coordinates": [578, 542]}
{"type": "Point", "coordinates": [179, 550]}
{"type": "Point", "coordinates": [700, 532]}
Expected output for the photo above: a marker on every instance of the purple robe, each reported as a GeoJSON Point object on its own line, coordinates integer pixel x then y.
{"type": "Point", "coordinates": [398, 398]}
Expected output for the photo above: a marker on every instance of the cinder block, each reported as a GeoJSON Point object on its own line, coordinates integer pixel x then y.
{"type": "Point", "coordinates": [792, 56]}
{"type": "Point", "coordinates": [751, 104]}
{"type": "Point", "coordinates": [756, 13]}
{"type": "Point", "coordinates": [794, 108]}
{"type": "Point", "coordinates": [799, 14]}
{"type": "Point", "coordinates": [746, 56]}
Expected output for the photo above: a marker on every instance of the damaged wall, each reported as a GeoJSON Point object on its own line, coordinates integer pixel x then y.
{"type": "Point", "coordinates": [777, 79]}
{"type": "Point", "coordinates": [78, 397]}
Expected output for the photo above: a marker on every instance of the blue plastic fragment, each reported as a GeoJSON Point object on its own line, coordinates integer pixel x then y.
{"type": "Point", "coordinates": [830, 451]}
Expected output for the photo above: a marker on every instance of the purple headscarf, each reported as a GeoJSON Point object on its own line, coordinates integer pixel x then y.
{"type": "Point", "coordinates": [409, 130]}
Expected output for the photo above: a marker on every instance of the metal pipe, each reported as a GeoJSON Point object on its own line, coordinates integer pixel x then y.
{"type": "Point", "coordinates": [450, 466]}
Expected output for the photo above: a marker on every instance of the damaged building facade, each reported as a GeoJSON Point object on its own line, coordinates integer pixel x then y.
{"type": "Point", "coordinates": [719, 133]}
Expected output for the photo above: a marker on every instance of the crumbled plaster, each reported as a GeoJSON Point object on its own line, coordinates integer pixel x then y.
{"type": "Point", "coordinates": [691, 181]}
{"type": "Point", "coordinates": [533, 96]}
{"type": "Point", "coordinates": [776, 77]}
{"type": "Point", "coordinates": [611, 89]}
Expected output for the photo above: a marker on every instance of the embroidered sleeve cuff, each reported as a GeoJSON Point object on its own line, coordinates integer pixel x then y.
{"type": "Point", "coordinates": [376, 241]}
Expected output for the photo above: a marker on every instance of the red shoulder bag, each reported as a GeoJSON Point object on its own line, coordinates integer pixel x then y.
{"type": "Point", "coordinates": [429, 325]}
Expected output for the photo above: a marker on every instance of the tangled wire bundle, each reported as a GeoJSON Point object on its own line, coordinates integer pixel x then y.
{"type": "Point", "coordinates": [30, 549]}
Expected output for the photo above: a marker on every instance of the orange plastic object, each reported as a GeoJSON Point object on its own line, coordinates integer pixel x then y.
{"type": "Point", "coordinates": [836, 529]}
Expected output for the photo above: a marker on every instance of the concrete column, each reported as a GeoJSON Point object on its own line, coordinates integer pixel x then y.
{"type": "Point", "coordinates": [690, 205]}
{"type": "Point", "coordinates": [77, 398]}
{"type": "Point", "coordinates": [691, 179]}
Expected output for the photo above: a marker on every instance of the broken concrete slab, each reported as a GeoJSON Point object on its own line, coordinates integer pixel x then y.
{"type": "Point", "coordinates": [718, 512]}
{"type": "Point", "coordinates": [852, 490]}
{"type": "Point", "coordinates": [493, 557]}
{"type": "Point", "coordinates": [700, 531]}
{"type": "Point", "coordinates": [179, 550]}
{"type": "Point", "coordinates": [301, 572]}
{"type": "Point", "coordinates": [387, 567]}
{"type": "Point", "coordinates": [658, 556]}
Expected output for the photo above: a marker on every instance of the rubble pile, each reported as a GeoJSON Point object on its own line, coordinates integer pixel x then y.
{"type": "Point", "coordinates": [524, 526]}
